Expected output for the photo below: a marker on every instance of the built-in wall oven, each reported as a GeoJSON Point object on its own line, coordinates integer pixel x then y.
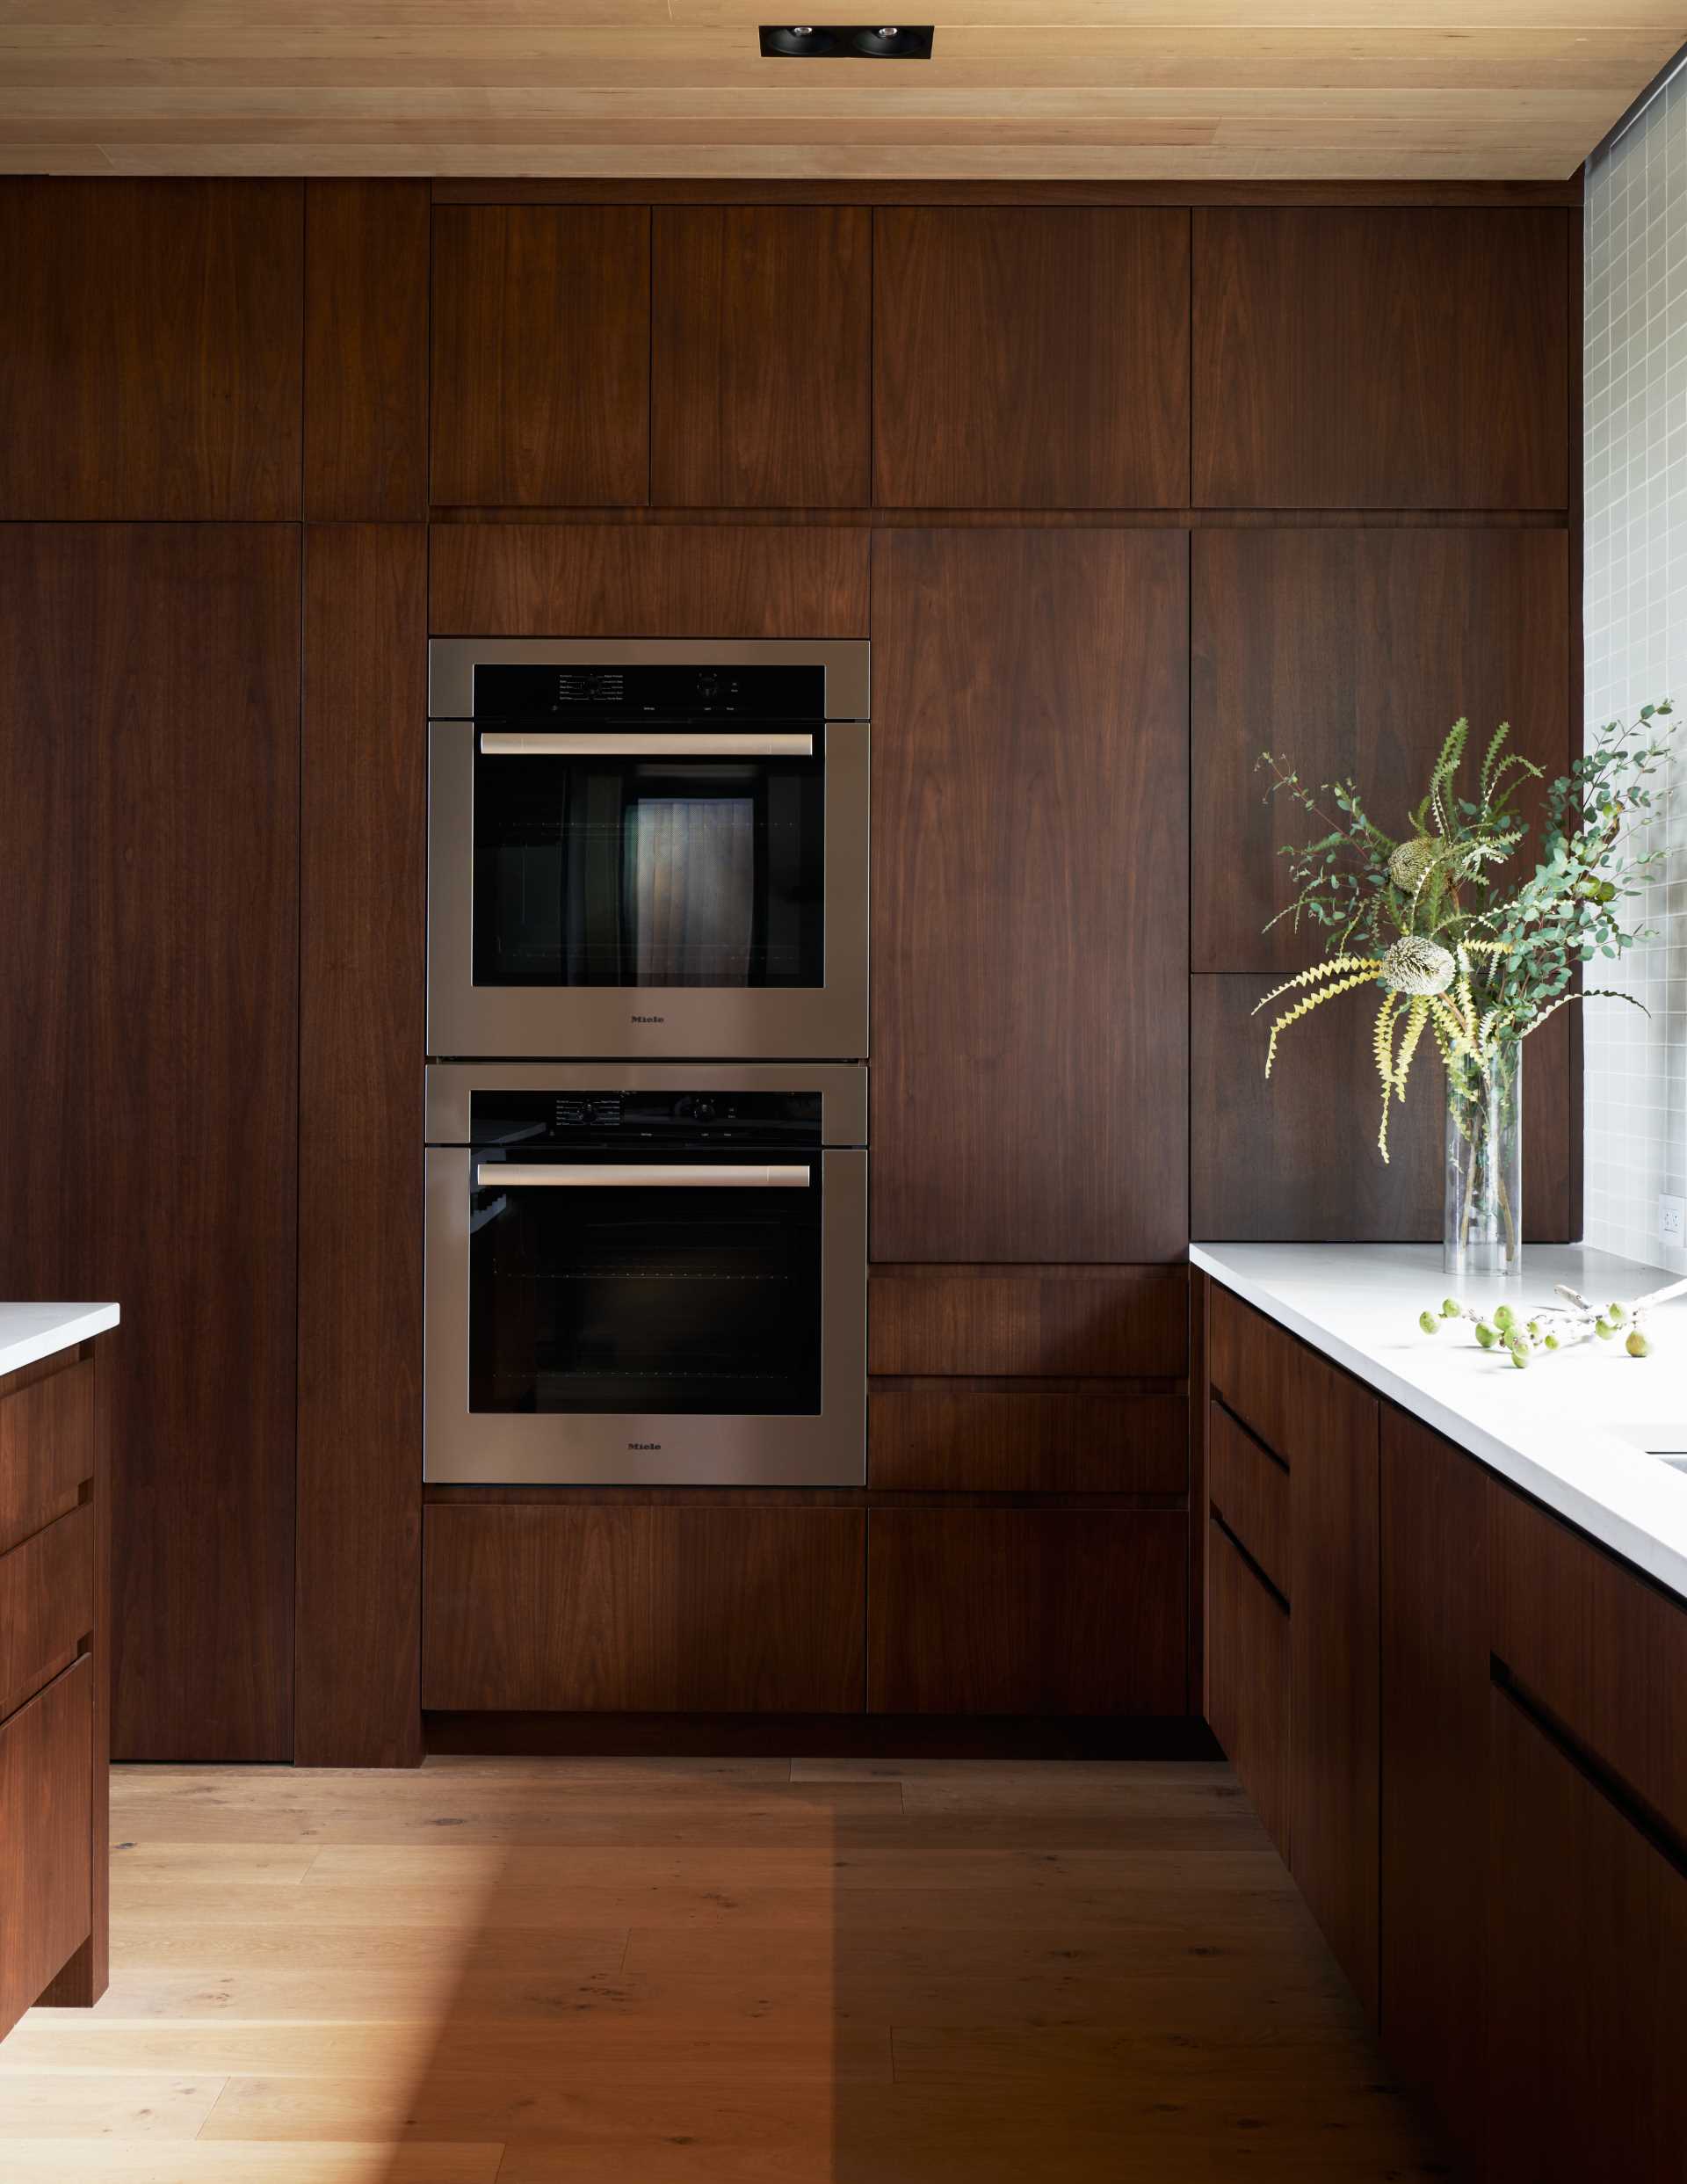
{"type": "Point", "coordinates": [645, 1275]}
{"type": "Point", "coordinates": [649, 848]}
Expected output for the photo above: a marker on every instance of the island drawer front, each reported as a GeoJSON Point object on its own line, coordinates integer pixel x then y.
{"type": "Point", "coordinates": [46, 1444]}
{"type": "Point", "coordinates": [1595, 1645]}
{"type": "Point", "coordinates": [950, 1436]}
{"type": "Point", "coordinates": [1279, 1388]}
{"type": "Point", "coordinates": [46, 1605]}
{"type": "Point", "coordinates": [1249, 1487]}
{"type": "Point", "coordinates": [46, 1793]}
{"type": "Point", "coordinates": [1247, 1681]}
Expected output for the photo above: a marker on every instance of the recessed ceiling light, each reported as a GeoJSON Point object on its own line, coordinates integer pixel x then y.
{"type": "Point", "coordinates": [847, 41]}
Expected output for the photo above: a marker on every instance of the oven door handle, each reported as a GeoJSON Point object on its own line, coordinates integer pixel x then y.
{"type": "Point", "coordinates": [587, 743]}
{"type": "Point", "coordinates": [493, 1175]}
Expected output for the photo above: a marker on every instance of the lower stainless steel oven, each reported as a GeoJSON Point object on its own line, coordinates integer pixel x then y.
{"type": "Point", "coordinates": [647, 1275]}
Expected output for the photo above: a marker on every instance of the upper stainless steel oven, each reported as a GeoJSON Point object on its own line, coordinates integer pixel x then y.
{"type": "Point", "coordinates": [647, 848]}
{"type": "Point", "coordinates": [647, 1275]}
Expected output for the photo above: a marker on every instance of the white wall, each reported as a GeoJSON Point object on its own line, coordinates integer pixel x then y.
{"type": "Point", "coordinates": [1635, 618]}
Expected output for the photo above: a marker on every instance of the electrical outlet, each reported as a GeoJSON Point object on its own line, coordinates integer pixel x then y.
{"type": "Point", "coordinates": [1668, 1219]}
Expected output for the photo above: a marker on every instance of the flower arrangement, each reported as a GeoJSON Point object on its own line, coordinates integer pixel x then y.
{"type": "Point", "coordinates": [1461, 948]}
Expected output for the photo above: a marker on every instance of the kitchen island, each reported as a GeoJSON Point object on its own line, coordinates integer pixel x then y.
{"type": "Point", "coordinates": [54, 1653]}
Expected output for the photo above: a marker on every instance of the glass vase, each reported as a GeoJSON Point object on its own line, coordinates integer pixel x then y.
{"type": "Point", "coordinates": [1482, 1219]}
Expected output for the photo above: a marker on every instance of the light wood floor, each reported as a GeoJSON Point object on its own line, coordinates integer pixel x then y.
{"type": "Point", "coordinates": [664, 1972]}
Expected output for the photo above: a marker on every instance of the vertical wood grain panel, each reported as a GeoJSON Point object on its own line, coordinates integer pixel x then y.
{"type": "Point", "coordinates": [541, 356]}
{"type": "Point", "coordinates": [191, 637]}
{"type": "Point", "coordinates": [44, 1789]}
{"type": "Point", "coordinates": [150, 365]}
{"type": "Point", "coordinates": [1247, 1668]}
{"type": "Point", "coordinates": [645, 1609]}
{"type": "Point", "coordinates": [1031, 358]}
{"type": "Point", "coordinates": [1435, 1631]}
{"type": "Point", "coordinates": [1411, 357]}
{"type": "Point", "coordinates": [1335, 1702]}
{"type": "Point", "coordinates": [1026, 1611]}
{"type": "Point", "coordinates": [362, 1038]}
{"type": "Point", "coordinates": [1352, 652]}
{"type": "Point", "coordinates": [1030, 891]}
{"type": "Point", "coordinates": [761, 356]}
{"type": "Point", "coordinates": [365, 350]}
{"type": "Point", "coordinates": [1294, 1158]}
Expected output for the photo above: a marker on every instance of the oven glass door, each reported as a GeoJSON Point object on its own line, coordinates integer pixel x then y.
{"type": "Point", "coordinates": [672, 1286]}
{"type": "Point", "coordinates": [649, 859]}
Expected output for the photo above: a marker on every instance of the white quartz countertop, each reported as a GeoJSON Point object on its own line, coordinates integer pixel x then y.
{"type": "Point", "coordinates": [32, 1331]}
{"type": "Point", "coordinates": [1572, 1429]}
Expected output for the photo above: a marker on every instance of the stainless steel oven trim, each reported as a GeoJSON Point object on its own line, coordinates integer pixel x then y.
{"type": "Point", "coordinates": [451, 1085]}
{"type": "Point", "coordinates": [566, 1175]}
{"type": "Point", "coordinates": [497, 742]}
{"type": "Point", "coordinates": [452, 661]}
{"type": "Point", "coordinates": [829, 1449]}
{"type": "Point", "coordinates": [658, 1022]}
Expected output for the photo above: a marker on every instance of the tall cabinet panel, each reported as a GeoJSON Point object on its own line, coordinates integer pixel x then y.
{"type": "Point", "coordinates": [366, 350]}
{"type": "Point", "coordinates": [361, 1039]}
{"type": "Point", "coordinates": [194, 642]}
{"type": "Point", "coordinates": [1030, 925]}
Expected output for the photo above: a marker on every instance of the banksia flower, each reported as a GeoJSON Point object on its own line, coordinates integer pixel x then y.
{"type": "Point", "coordinates": [1410, 862]}
{"type": "Point", "coordinates": [1414, 965]}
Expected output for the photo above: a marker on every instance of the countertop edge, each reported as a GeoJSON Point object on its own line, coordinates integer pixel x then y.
{"type": "Point", "coordinates": [61, 1328]}
{"type": "Point", "coordinates": [1608, 1526]}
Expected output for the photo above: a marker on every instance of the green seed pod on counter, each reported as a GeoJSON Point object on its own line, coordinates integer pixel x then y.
{"type": "Point", "coordinates": [1428, 1322]}
{"type": "Point", "coordinates": [1486, 1335]}
{"type": "Point", "coordinates": [1637, 1345]}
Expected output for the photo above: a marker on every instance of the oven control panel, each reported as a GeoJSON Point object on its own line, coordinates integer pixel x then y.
{"type": "Point", "coordinates": [585, 1120]}
{"type": "Point", "coordinates": [641, 695]}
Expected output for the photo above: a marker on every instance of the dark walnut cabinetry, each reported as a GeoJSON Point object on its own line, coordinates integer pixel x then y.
{"type": "Point", "coordinates": [1070, 466]}
{"type": "Point", "coordinates": [54, 1680]}
{"type": "Point", "coordinates": [1517, 1726]}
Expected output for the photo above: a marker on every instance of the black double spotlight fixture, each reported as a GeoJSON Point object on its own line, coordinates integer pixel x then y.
{"type": "Point", "coordinates": [846, 41]}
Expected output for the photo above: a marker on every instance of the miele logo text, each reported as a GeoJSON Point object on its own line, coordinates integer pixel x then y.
{"type": "Point", "coordinates": [649, 1019]}
{"type": "Point", "coordinates": [644, 1444]}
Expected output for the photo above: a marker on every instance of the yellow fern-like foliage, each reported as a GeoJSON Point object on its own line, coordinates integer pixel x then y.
{"type": "Point", "coordinates": [1363, 976]}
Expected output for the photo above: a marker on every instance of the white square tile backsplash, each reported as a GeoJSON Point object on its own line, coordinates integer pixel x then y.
{"type": "Point", "coordinates": [1634, 611]}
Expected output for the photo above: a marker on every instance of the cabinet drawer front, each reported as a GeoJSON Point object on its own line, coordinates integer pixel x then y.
{"type": "Point", "coordinates": [1052, 1321]}
{"type": "Point", "coordinates": [1247, 1682]}
{"type": "Point", "coordinates": [1277, 1386]}
{"type": "Point", "coordinates": [46, 1605]}
{"type": "Point", "coordinates": [47, 1445]}
{"type": "Point", "coordinates": [1586, 1937]}
{"type": "Point", "coordinates": [45, 1788]}
{"type": "Point", "coordinates": [643, 1610]}
{"type": "Point", "coordinates": [1596, 1645]}
{"type": "Point", "coordinates": [956, 1439]}
{"type": "Point", "coordinates": [1249, 1487]}
{"type": "Point", "coordinates": [1027, 1611]}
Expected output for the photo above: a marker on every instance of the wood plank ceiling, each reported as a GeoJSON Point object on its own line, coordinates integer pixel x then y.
{"type": "Point", "coordinates": [1205, 90]}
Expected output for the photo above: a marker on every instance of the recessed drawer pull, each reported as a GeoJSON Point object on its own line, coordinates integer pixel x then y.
{"type": "Point", "coordinates": [495, 1175]}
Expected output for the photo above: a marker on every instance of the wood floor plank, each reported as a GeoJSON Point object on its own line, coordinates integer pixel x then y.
{"type": "Point", "coordinates": [112, 2161]}
{"type": "Point", "coordinates": [703, 1972]}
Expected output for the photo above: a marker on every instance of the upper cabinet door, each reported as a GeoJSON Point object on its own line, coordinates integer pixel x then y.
{"type": "Point", "coordinates": [1352, 651]}
{"type": "Point", "coordinates": [541, 356]}
{"type": "Point", "coordinates": [1399, 359]}
{"type": "Point", "coordinates": [366, 350]}
{"type": "Point", "coordinates": [761, 346]}
{"type": "Point", "coordinates": [1031, 358]}
{"type": "Point", "coordinates": [151, 358]}
{"type": "Point", "coordinates": [1030, 896]}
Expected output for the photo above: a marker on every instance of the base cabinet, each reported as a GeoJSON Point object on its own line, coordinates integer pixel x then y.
{"type": "Point", "coordinates": [1587, 1950]}
{"type": "Point", "coordinates": [529, 1607]}
{"type": "Point", "coordinates": [1026, 1611]}
{"type": "Point", "coordinates": [1484, 1781]}
{"type": "Point", "coordinates": [1247, 1680]}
